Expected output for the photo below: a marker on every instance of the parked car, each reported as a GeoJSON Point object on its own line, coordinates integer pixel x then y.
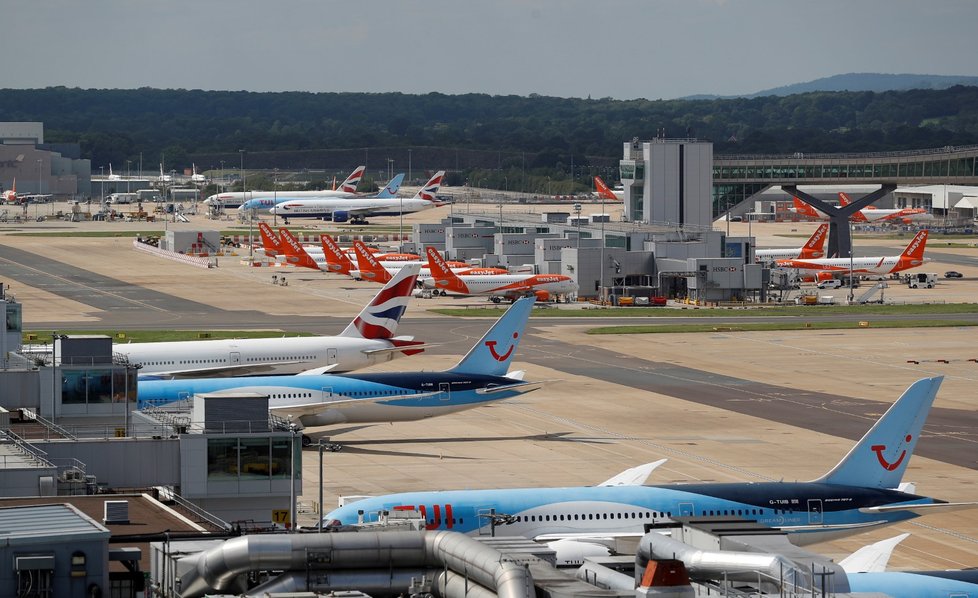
{"type": "Point", "coordinates": [953, 274]}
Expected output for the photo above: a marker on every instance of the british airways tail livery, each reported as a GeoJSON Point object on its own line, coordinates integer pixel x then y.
{"type": "Point", "coordinates": [321, 400]}
{"type": "Point", "coordinates": [368, 340]}
{"type": "Point", "coordinates": [858, 494]}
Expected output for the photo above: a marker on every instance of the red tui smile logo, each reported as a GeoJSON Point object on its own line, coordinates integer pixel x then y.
{"type": "Point", "coordinates": [504, 356]}
{"type": "Point", "coordinates": [879, 448]}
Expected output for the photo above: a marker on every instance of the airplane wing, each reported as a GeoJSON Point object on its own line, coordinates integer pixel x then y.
{"type": "Point", "coordinates": [239, 370]}
{"type": "Point", "coordinates": [317, 371]}
{"type": "Point", "coordinates": [298, 410]}
{"type": "Point", "coordinates": [636, 476]}
{"type": "Point", "coordinates": [926, 509]}
{"type": "Point", "coordinates": [519, 386]}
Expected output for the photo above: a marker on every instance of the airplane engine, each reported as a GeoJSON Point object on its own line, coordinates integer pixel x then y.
{"type": "Point", "coordinates": [573, 552]}
{"type": "Point", "coordinates": [542, 295]}
{"type": "Point", "coordinates": [820, 276]}
{"type": "Point", "coordinates": [341, 216]}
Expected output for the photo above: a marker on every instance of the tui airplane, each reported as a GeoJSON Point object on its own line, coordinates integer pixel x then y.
{"type": "Point", "coordinates": [320, 400]}
{"type": "Point", "coordinates": [858, 494]}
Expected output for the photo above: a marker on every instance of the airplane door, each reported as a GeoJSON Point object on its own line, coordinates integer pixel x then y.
{"type": "Point", "coordinates": [234, 358]}
{"type": "Point", "coordinates": [814, 511]}
{"type": "Point", "coordinates": [686, 509]}
{"type": "Point", "coordinates": [330, 356]}
{"type": "Point", "coordinates": [327, 393]}
{"type": "Point", "coordinates": [446, 391]}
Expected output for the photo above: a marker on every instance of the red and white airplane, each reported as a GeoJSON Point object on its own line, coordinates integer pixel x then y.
{"type": "Point", "coordinates": [376, 269]}
{"type": "Point", "coordinates": [272, 246]}
{"type": "Point", "coordinates": [496, 286]}
{"type": "Point", "coordinates": [867, 214]}
{"type": "Point", "coordinates": [825, 268]}
{"type": "Point", "coordinates": [873, 214]}
{"type": "Point", "coordinates": [603, 191]}
{"type": "Point", "coordinates": [814, 248]}
{"type": "Point", "coordinates": [12, 196]}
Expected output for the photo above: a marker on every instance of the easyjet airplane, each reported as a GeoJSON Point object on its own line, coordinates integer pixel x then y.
{"type": "Point", "coordinates": [606, 192]}
{"type": "Point", "coordinates": [874, 214]}
{"type": "Point", "coordinates": [814, 248]}
{"type": "Point", "coordinates": [912, 256]}
{"type": "Point", "coordinates": [496, 286]}
{"type": "Point", "coordinates": [376, 268]}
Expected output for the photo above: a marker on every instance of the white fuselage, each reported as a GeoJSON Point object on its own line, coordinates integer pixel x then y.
{"type": "Point", "coordinates": [513, 284]}
{"type": "Point", "coordinates": [239, 356]}
{"type": "Point", "coordinates": [234, 199]}
{"type": "Point", "coordinates": [319, 208]}
{"type": "Point", "coordinates": [859, 265]}
{"type": "Point", "coordinates": [770, 255]}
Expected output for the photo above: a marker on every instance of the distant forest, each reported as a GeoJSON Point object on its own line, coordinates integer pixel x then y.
{"type": "Point", "coordinates": [475, 134]}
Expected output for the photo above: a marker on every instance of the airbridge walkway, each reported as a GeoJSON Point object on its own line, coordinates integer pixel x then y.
{"type": "Point", "coordinates": [737, 178]}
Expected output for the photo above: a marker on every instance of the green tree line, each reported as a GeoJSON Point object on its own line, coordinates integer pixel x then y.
{"type": "Point", "coordinates": [544, 136]}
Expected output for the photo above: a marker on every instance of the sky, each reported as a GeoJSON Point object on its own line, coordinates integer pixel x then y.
{"type": "Point", "coordinates": [623, 49]}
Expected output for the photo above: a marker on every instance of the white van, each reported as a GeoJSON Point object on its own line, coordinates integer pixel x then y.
{"type": "Point", "coordinates": [833, 283]}
{"type": "Point", "coordinates": [117, 198]}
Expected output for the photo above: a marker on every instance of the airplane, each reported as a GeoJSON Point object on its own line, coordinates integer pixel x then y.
{"type": "Point", "coordinates": [479, 378]}
{"type": "Point", "coordinates": [874, 214]}
{"type": "Point", "coordinates": [367, 340]}
{"type": "Point", "coordinates": [164, 178]}
{"type": "Point", "coordinates": [862, 492]}
{"type": "Point", "coordinates": [112, 176]}
{"type": "Point", "coordinates": [377, 268]}
{"type": "Point", "coordinates": [234, 199]}
{"type": "Point", "coordinates": [605, 192]}
{"type": "Point", "coordinates": [357, 209]}
{"type": "Point", "coordinates": [911, 257]}
{"type": "Point", "coordinates": [263, 204]}
{"type": "Point", "coordinates": [813, 248]}
{"type": "Point", "coordinates": [11, 196]}
{"type": "Point", "coordinates": [496, 286]}
{"type": "Point", "coordinates": [194, 176]}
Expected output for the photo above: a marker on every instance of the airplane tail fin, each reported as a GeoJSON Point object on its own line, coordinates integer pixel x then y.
{"type": "Point", "coordinates": [803, 208]}
{"type": "Point", "coordinates": [336, 259]}
{"type": "Point", "coordinates": [430, 188]}
{"type": "Point", "coordinates": [271, 243]}
{"type": "Point", "coordinates": [351, 182]}
{"type": "Point", "coordinates": [370, 268]}
{"type": "Point", "coordinates": [880, 458]}
{"type": "Point", "coordinates": [442, 276]}
{"type": "Point", "coordinates": [494, 352]}
{"type": "Point", "coordinates": [914, 251]}
{"type": "Point", "coordinates": [380, 317]}
{"type": "Point", "coordinates": [603, 189]}
{"type": "Point", "coordinates": [393, 186]}
{"type": "Point", "coordinates": [815, 247]}
{"type": "Point", "coordinates": [295, 254]}
{"type": "Point", "coordinates": [843, 199]}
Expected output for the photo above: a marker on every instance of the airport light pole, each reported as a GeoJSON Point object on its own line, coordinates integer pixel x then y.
{"type": "Point", "coordinates": [39, 163]}
{"type": "Point", "coordinates": [251, 234]}
{"type": "Point", "coordinates": [850, 265]}
{"type": "Point", "coordinates": [321, 447]}
{"type": "Point", "coordinates": [409, 166]}
{"type": "Point", "coordinates": [292, 509]}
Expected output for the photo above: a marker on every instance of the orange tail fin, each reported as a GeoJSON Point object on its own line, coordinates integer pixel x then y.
{"type": "Point", "coordinates": [603, 189]}
{"type": "Point", "coordinates": [294, 252]}
{"type": "Point", "coordinates": [271, 243]}
{"type": "Point", "coordinates": [370, 268]}
{"type": "Point", "coordinates": [914, 253]}
{"type": "Point", "coordinates": [843, 199]}
{"type": "Point", "coordinates": [815, 247]}
{"type": "Point", "coordinates": [336, 260]}
{"type": "Point", "coordinates": [804, 208]}
{"type": "Point", "coordinates": [442, 275]}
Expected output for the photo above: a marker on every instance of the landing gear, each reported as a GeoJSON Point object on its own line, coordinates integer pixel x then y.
{"type": "Point", "coordinates": [444, 293]}
{"type": "Point", "coordinates": [329, 446]}
{"type": "Point", "coordinates": [496, 299]}
{"type": "Point", "coordinates": [306, 441]}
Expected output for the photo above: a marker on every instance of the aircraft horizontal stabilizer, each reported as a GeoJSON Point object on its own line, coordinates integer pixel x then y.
{"type": "Point", "coordinates": [238, 370]}
{"type": "Point", "coordinates": [636, 476]}
{"type": "Point", "coordinates": [418, 347]}
{"type": "Point", "coordinates": [319, 371]}
{"type": "Point", "coordinates": [925, 509]}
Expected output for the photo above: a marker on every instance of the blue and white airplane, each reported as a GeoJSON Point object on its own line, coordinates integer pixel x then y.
{"type": "Point", "coordinates": [860, 493]}
{"type": "Point", "coordinates": [320, 400]}
{"type": "Point", "coordinates": [368, 340]}
{"type": "Point", "coordinates": [264, 204]}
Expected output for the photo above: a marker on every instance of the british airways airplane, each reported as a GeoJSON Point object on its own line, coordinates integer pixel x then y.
{"type": "Point", "coordinates": [368, 340]}
{"type": "Point", "coordinates": [858, 494]}
{"type": "Point", "coordinates": [320, 400]}
{"type": "Point", "coordinates": [264, 204]}
{"type": "Point", "coordinates": [234, 199]}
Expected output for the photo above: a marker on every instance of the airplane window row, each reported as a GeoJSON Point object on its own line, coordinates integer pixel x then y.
{"type": "Point", "coordinates": [736, 512]}
{"type": "Point", "coordinates": [281, 358]}
{"type": "Point", "coordinates": [291, 395]}
{"type": "Point", "coordinates": [593, 516]}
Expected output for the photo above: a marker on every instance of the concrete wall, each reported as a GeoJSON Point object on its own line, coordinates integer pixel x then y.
{"type": "Point", "coordinates": [123, 462]}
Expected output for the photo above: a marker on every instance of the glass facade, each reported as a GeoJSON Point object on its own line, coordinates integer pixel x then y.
{"type": "Point", "coordinates": [957, 167]}
{"type": "Point", "coordinates": [97, 385]}
{"type": "Point", "coordinates": [251, 458]}
{"type": "Point", "coordinates": [14, 322]}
